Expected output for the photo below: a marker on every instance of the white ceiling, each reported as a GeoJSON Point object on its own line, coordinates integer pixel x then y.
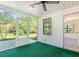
{"type": "Point", "coordinates": [38, 10]}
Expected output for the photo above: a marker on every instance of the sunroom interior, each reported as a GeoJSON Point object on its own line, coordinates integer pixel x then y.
{"type": "Point", "coordinates": [39, 29]}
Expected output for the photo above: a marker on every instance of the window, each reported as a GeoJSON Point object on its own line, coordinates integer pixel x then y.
{"type": "Point", "coordinates": [68, 28]}
{"type": "Point", "coordinates": [47, 26]}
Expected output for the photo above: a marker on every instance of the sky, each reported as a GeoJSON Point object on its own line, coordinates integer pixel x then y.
{"type": "Point", "coordinates": [2, 10]}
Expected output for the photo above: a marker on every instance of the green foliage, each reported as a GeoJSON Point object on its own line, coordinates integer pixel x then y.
{"type": "Point", "coordinates": [8, 25]}
{"type": "Point", "coordinates": [34, 38]}
{"type": "Point", "coordinates": [33, 25]}
{"type": "Point", "coordinates": [21, 32]}
{"type": "Point", "coordinates": [22, 24]}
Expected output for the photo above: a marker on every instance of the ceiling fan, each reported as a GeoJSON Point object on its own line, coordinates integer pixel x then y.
{"type": "Point", "coordinates": [44, 4]}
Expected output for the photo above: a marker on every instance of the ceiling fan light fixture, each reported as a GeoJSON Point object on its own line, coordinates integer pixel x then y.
{"type": "Point", "coordinates": [44, 4]}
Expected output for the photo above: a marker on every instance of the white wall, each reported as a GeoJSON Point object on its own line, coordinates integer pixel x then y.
{"type": "Point", "coordinates": [56, 38]}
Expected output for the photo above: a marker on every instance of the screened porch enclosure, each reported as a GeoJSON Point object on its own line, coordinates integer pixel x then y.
{"type": "Point", "coordinates": [16, 28]}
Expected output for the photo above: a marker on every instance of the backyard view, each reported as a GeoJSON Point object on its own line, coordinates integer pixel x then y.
{"type": "Point", "coordinates": [8, 25]}
{"type": "Point", "coordinates": [23, 26]}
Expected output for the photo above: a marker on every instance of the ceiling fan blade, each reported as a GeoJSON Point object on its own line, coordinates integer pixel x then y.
{"type": "Point", "coordinates": [44, 7]}
{"type": "Point", "coordinates": [52, 2]}
{"type": "Point", "coordinates": [32, 5]}
{"type": "Point", "coordinates": [36, 3]}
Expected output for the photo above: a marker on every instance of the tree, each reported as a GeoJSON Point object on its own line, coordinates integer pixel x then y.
{"type": "Point", "coordinates": [6, 23]}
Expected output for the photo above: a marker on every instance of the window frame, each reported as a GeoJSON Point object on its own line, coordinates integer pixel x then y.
{"type": "Point", "coordinates": [49, 27]}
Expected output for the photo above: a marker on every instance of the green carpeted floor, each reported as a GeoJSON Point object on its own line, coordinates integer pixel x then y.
{"type": "Point", "coordinates": [38, 50]}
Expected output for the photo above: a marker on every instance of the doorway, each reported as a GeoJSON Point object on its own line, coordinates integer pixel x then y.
{"type": "Point", "coordinates": [22, 33]}
{"type": "Point", "coordinates": [26, 29]}
{"type": "Point", "coordinates": [71, 31]}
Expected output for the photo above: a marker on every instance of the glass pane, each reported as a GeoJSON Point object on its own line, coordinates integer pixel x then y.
{"type": "Point", "coordinates": [68, 28]}
{"type": "Point", "coordinates": [45, 31]}
{"type": "Point", "coordinates": [47, 22]}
